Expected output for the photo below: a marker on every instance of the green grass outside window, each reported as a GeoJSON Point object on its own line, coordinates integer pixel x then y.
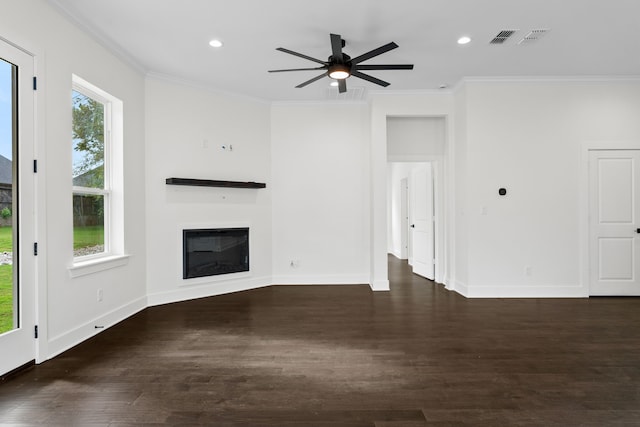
{"type": "Point", "coordinates": [82, 237]}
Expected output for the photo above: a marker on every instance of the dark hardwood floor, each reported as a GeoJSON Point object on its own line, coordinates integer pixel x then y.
{"type": "Point", "coordinates": [344, 356]}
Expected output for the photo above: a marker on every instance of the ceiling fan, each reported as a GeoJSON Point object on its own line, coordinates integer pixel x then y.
{"type": "Point", "coordinates": [339, 65]}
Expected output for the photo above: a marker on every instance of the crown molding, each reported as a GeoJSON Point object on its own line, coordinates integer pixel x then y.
{"type": "Point", "coordinates": [545, 79]}
{"type": "Point", "coordinates": [336, 102]}
{"type": "Point", "coordinates": [409, 92]}
{"type": "Point", "coordinates": [205, 87]}
{"type": "Point", "coordinates": [202, 86]}
{"type": "Point", "coordinates": [549, 79]}
{"type": "Point", "coordinates": [98, 36]}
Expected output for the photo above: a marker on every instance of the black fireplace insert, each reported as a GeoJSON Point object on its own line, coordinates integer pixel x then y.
{"type": "Point", "coordinates": [215, 251]}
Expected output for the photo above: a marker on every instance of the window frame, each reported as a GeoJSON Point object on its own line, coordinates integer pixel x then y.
{"type": "Point", "coordinates": [112, 189]}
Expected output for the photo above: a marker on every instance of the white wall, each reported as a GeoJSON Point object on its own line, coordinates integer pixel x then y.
{"type": "Point", "coordinates": [68, 307]}
{"type": "Point", "coordinates": [320, 193]}
{"type": "Point", "coordinates": [527, 138]}
{"type": "Point", "coordinates": [186, 129]}
{"type": "Point", "coordinates": [415, 136]}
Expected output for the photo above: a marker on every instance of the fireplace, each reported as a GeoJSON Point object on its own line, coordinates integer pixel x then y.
{"type": "Point", "coordinates": [214, 251]}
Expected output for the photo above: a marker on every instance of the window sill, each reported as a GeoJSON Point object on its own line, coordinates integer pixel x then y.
{"type": "Point", "coordinates": [97, 265]}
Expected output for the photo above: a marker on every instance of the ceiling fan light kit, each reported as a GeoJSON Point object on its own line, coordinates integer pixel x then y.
{"type": "Point", "coordinates": [339, 66]}
{"type": "Point", "coordinates": [339, 71]}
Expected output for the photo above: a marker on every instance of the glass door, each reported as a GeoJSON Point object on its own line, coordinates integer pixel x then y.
{"type": "Point", "coordinates": [17, 193]}
{"type": "Point", "coordinates": [9, 295]}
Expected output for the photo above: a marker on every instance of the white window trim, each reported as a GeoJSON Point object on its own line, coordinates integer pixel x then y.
{"type": "Point", "coordinates": [95, 265]}
{"type": "Point", "coordinates": [114, 253]}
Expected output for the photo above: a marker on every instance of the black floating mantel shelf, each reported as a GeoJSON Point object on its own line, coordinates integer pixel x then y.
{"type": "Point", "coordinates": [214, 183]}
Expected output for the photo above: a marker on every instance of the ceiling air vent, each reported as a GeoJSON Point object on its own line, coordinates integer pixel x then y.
{"type": "Point", "coordinates": [502, 36]}
{"type": "Point", "coordinates": [534, 35]}
{"type": "Point", "coordinates": [355, 93]}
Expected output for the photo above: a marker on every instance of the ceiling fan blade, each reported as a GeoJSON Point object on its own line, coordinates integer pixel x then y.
{"type": "Point", "coordinates": [385, 67]}
{"type": "Point", "coordinates": [312, 80]}
{"type": "Point", "coordinates": [342, 86]}
{"type": "Point", "coordinates": [301, 55]}
{"type": "Point", "coordinates": [297, 69]}
{"type": "Point", "coordinates": [369, 78]}
{"type": "Point", "coordinates": [336, 47]}
{"type": "Point", "coordinates": [375, 52]}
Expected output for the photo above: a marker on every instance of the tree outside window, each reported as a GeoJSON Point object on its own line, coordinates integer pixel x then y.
{"type": "Point", "coordinates": [90, 188]}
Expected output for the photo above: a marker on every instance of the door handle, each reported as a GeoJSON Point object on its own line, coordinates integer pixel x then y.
{"type": "Point", "coordinates": [414, 226]}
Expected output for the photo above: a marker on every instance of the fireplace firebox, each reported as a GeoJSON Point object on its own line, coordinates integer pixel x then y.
{"type": "Point", "coordinates": [215, 251]}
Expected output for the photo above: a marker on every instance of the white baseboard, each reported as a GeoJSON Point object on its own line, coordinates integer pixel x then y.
{"type": "Point", "coordinates": [397, 255]}
{"type": "Point", "coordinates": [320, 280]}
{"type": "Point", "coordinates": [65, 341]}
{"type": "Point", "coordinates": [207, 290]}
{"type": "Point", "coordinates": [460, 287]}
{"type": "Point", "coordinates": [523, 291]}
{"type": "Point", "coordinates": [446, 281]}
{"type": "Point", "coordinates": [380, 285]}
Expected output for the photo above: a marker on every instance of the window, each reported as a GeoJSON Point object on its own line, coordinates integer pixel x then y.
{"type": "Point", "coordinates": [96, 174]}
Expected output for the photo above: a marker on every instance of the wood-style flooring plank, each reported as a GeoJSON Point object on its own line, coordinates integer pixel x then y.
{"type": "Point", "coordinates": [345, 356]}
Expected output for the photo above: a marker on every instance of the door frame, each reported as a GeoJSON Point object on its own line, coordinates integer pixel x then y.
{"type": "Point", "coordinates": [585, 249]}
{"type": "Point", "coordinates": [18, 42]}
{"type": "Point", "coordinates": [405, 249]}
{"type": "Point", "coordinates": [439, 208]}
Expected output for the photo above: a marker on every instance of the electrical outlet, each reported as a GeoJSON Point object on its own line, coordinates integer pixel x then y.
{"type": "Point", "coordinates": [100, 295]}
{"type": "Point", "coordinates": [527, 270]}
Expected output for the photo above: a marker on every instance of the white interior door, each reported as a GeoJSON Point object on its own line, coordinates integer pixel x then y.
{"type": "Point", "coordinates": [17, 195]}
{"type": "Point", "coordinates": [422, 221]}
{"type": "Point", "coordinates": [614, 222]}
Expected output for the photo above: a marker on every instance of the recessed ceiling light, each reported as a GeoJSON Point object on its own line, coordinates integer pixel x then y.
{"type": "Point", "coordinates": [215, 43]}
{"type": "Point", "coordinates": [464, 40]}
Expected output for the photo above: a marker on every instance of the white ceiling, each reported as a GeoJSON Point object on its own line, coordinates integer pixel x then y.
{"type": "Point", "coordinates": [170, 38]}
